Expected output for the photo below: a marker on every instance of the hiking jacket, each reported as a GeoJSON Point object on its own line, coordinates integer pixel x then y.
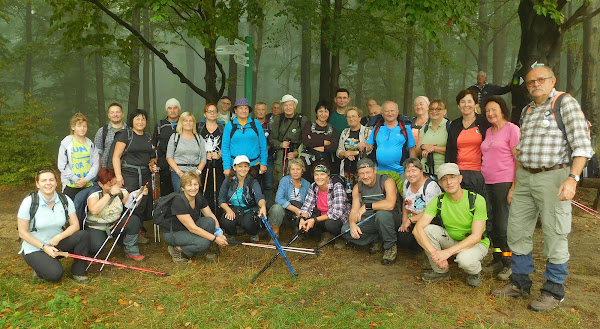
{"type": "Point", "coordinates": [65, 161]}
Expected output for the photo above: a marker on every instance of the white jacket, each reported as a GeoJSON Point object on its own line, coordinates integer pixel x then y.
{"type": "Point", "coordinates": [65, 163]}
{"type": "Point", "coordinates": [363, 135]}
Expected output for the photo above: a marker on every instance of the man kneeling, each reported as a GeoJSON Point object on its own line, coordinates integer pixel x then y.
{"type": "Point", "coordinates": [460, 230]}
{"type": "Point", "coordinates": [374, 194]}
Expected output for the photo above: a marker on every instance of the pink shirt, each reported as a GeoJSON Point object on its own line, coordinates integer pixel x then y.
{"type": "Point", "coordinates": [322, 202]}
{"type": "Point", "coordinates": [498, 162]}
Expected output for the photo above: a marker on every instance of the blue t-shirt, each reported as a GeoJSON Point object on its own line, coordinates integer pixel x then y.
{"type": "Point", "coordinates": [389, 147]}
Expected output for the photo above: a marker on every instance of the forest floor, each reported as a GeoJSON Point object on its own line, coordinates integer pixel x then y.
{"type": "Point", "coordinates": [341, 288]}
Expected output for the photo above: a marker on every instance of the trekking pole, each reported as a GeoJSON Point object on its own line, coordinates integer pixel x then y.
{"type": "Point", "coordinates": [205, 180]}
{"type": "Point", "coordinates": [271, 246]}
{"type": "Point", "coordinates": [281, 251]}
{"type": "Point", "coordinates": [134, 205]}
{"type": "Point", "coordinates": [154, 198]}
{"type": "Point", "coordinates": [109, 236]}
{"type": "Point", "coordinates": [317, 249]}
{"type": "Point", "coordinates": [106, 262]}
{"type": "Point", "coordinates": [285, 152]}
{"type": "Point", "coordinates": [214, 184]}
{"type": "Point", "coordinates": [294, 238]}
{"type": "Point", "coordinates": [585, 208]}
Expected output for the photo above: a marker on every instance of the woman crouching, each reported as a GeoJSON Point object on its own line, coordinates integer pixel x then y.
{"type": "Point", "coordinates": [190, 233]}
{"type": "Point", "coordinates": [41, 229]}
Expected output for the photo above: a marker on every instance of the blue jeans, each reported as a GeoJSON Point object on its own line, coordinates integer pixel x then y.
{"type": "Point", "coordinates": [176, 181]}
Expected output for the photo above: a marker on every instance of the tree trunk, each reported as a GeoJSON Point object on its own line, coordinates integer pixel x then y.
{"type": "Point", "coordinates": [541, 41]}
{"type": "Point", "coordinates": [257, 32]}
{"type": "Point", "coordinates": [464, 71]}
{"type": "Point", "coordinates": [80, 88]}
{"type": "Point", "coordinates": [146, 63]}
{"type": "Point", "coordinates": [305, 68]}
{"type": "Point", "coordinates": [499, 45]}
{"type": "Point", "coordinates": [100, 88]}
{"type": "Point", "coordinates": [190, 72]}
{"type": "Point", "coordinates": [334, 81]}
{"type": "Point", "coordinates": [589, 85]}
{"type": "Point", "coordinates": [325, 68]}
{"type": "Point", "coordinates": [572, 56]}
{"type": "Point", "coordinates": [210, 78]}
{"type": "Point", "coordinates": [28, 82]}
{"type": "Point", "coordinates": [445, 84]}
{"type": "Point", "coordinates": [430, 70]}
{"type": "Point", "coordinates": [409, 76]}
{"type": "Point", "coordinates": [134, 66]}
{"type": "Point", "coordinates": [482, 54]}
{"type": "Point", "coordinates": [152, 60]}
{"type": "Point", "coordinates": [360, 80]}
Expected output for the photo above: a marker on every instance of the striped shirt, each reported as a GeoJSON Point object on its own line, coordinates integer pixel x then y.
{"type": "Point", "coordinates": [542, 143]}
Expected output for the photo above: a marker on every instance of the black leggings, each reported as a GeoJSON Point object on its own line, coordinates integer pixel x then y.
{"type": "Point", "coordinates": [50, 269]}
{"type": "Point", "coordinates": [97, 237]}
{"type": "Point", "coordinates": [132, 183]}
{"type": "Point", "coordinates": [245, 220]}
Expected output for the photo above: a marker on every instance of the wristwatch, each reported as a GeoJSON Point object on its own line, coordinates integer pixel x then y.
{"type": "Point", "coordinates": [575, 177]}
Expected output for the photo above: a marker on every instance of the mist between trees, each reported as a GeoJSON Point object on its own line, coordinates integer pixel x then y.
{"type": "Point", "coordinates": [73, 55]}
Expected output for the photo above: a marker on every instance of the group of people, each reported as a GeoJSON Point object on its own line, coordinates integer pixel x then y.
{"type": "Point", "coordinates": [453, 188]}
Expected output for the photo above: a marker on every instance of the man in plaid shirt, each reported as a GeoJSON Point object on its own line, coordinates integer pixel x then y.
{"type": "Point", "coordinates": [106, 134]}
{"type": "Point", "coordinates": [547, 178]}
{"type": "Point", "coordinates": [325, 208]}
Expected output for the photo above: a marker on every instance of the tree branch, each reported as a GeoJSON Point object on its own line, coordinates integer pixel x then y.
{"type": "Point", "coordinates": [170, 66]}
{"type": "Point", "coordinates": [499, 29]}
{"type": "Point", "coordinates": [467, 45]}
{"type": "Point", "coordinates": [184, 40]}
{"type": "Point", "coordinates": [576, 18]}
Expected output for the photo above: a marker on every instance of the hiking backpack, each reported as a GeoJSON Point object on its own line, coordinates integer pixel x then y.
{"type": "Point", "coordinates": [111, 151]}
{"type": "Point", "coordinates": [437, 220]}
{"type": "Point", "coordinates": [234, 129]}
{"type": "Point", "coordinates": [592, 167]}
{"type": "Point", "coordinates": [161, 214]}
{"type": "Point", "coordinates": [80, 202]}
{"type": "Point", "coordinates": [35, 203]}
{"type": "Point", "coordinates": [178, 137]}
{"type": "Point", "coordinates": [403, 122]}
{"type": "Point", "coordinates": [336, 178]}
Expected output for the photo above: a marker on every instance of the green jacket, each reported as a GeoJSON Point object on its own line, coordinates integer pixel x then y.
{"type": "Point", "coordinates": [287, 129]}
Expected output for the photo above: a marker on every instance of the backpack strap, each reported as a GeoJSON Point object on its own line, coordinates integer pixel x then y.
{"type": "Point", "coordinates": [556, 103]}
{"type": "Point", "coordinates": [177, 137]}
{"type": "Point", "coordinates": [438, 215]}
{"type": "Point", "coordinates": [104, 134]}
{"type": "Point", "coordinates": [35, 203]}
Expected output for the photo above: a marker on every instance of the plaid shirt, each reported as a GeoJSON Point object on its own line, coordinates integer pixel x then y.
{"type": "Point", "coordinates": [544, 147]}
{"type": "Point", "coordinates": [104, 146]}
{"type": "Point", "coordinates": [339, 209]}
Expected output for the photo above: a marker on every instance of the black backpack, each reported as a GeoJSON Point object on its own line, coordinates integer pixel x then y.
{"type": "Point", "coordinates": [234, 127]}
{"type": "Point", "coordinates": [437, 220]}
{"type": "Point", "coordinates": [35, 203]}
{"type": "Point", "coordinates": [111, 151]}
{"type": "Point", "coordinates": [80, 202]}
{"type": "Point", "coordinates": [336, 178]}
{"type": "Point", "coordinates": [178, 137]}
{"type": "Point", "coordinates": [161, 214]}
{"type": "Point", "coordinates": [403, 121]}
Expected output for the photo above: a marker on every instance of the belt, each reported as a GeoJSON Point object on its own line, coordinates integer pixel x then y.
{"type": "Point", "coordinates": [187, 165]}
{"type": "Point", "coordinates": [539, 170]}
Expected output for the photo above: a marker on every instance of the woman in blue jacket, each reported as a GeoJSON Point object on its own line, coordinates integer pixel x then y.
{"type": "Point", "coordinates": [291, 193]}
{"type": "Point", "coordinates": [244, 136]}
{"type": "Point", "coordinates": [240, 197]}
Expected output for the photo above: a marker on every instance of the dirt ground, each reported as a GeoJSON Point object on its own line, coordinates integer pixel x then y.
{"type": "Point", "coordinates": [401, 278]}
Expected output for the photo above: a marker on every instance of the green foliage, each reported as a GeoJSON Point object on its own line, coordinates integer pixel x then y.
{"type": "Point", "coordinates": [26, 133]}
{"type": "Point", "coordinates": [549, 8]}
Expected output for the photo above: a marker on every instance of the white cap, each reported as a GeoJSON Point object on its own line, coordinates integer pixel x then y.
{"type": "Point", "coordinates": [288, 98]}
{"type": "Point", "coordinates": [240, 159]}
{"type": "Point", "coordinates": [172, 102]}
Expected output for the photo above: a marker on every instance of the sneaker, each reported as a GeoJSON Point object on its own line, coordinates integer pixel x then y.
{"type": "Point", "coordinates": [254, 238]}
{"type": "Point", "coordinates": [137, 258]}
{"type": "Point", "coordinates": [389, 255]}
{"type": "Point", "coordinates": [177, 254]}
{"type": "Point", "coordinates": [83, 279]}
{"type": "Point", "coordinates": [494, 267]}
{"type": "Point", "coordinates": [432, 276]}
{"type": "Point", "coordinates": [545, 302]}
{"type": "Point", "coordinates": [142, 239]}
{"type": "Point", "coordinates": [376, 247]}
{"type": "Point", "coordinates": [474, 280]}
{"type": "Point", "coordinates": [210, 256]}
{"type": "Point", "coordinates": [510, 290]}
{"type": "Point", "coordinates": [340, 244]}
{"type": "Point", "coordinates": [504, 274]}
{"type": "Point", "coordinates": [325, 237]}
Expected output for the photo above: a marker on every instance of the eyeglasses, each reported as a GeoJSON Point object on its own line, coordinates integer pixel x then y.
{"type": "Point", "coordinates": [540, 81]}
{"type": "Point", "coordinates": [437, 109]}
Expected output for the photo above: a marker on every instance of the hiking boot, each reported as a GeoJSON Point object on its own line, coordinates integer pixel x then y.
{"type": "Point", "coordinates": [210, 256]}
{"type": "Point", "coordinates": [389, 255]}
{"type": "Point", "coordinates": [474, 280]}
{"type": "Point", "coordinates": [505, 273]}
{"type": "Point", "coordinates": [137, 258]}
{"type": "Point", "coordinates": [433, 276]}
{"type": "Point", "coordinates": [325, 237]}
{"type": "Point", "coordinates": [494, 267]}
{"type": "Point", "coordinates": [426, 265]}
{"type": "Point", "coordinates": [254, 238]}
{"type": "Point", "coordinates": [340, 244]}
{"type": "Point", "coordinates": [142, 239]}
{"type": "Point", "coordinates": [177, 254]}
{"type": "Point", "coordinates": [376, 247]}
{"type": "Point", "coordinates": [83, 279]}
{"type": "Point", "coordinates": [545, 302]}
{"type": "Point", "coordinates": [510, 290]}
